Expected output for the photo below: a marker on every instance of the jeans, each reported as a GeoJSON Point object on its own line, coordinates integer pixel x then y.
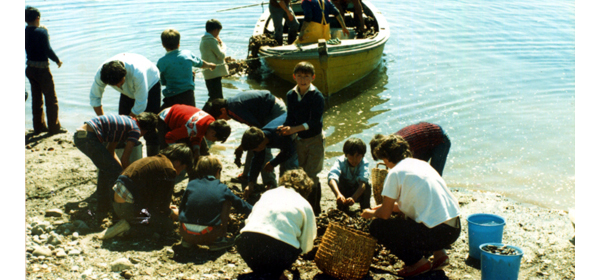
{"type": "Point", "coordinates": [214, 87]}
{"type": "Point", "coordinates": [185, 98]}
{"type": "Point", "coordinates": [108, 167]}
{"type": "Point", "coordinates": [42, 88]}
{"type": "Point", "coordinates": [266, 255]}
{"type": "Point", "coordinates": [439, 155]}
{"type": "Point", "coordinates": [153, 106]}
{"type": "Point", "coordinates": [277, 14]}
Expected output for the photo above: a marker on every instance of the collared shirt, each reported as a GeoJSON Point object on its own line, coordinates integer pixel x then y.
{"type": "Point", "coordinates": [300, 96]}
{"type": "Point", "coordinates": [341, 169]}
{"type": "Point", "coordinates": [141, 75]}
{"type": "Point", "coordinates": [176, 71]}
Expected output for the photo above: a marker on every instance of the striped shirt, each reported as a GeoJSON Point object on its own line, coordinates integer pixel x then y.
{"type": "Point", "coordinates": [115, 128]}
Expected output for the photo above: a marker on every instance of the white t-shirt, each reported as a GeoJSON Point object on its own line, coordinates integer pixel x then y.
{"type": "Point", "coordinates": [420, 192]}
{"type": "Point", "coordinates": [285, 215]}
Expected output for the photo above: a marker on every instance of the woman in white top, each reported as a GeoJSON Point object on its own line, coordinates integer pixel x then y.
{"type": "Point", "coordinates": [280, 227]}
{"type": "Point", "coordinates": [430, 223]}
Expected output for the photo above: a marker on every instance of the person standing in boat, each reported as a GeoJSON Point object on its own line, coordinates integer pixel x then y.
{"type": "Point", "coordinates": [280, 10]}
{"type": "Point", "coordinates": [427, 141]}
{"type": "Point", "coordinates": [316, 21]}
{"type": "Point", "coordinates": [342, 6]}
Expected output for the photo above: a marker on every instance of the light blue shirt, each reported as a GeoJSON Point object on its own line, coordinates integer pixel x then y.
{"type": "Point", "coordinates": [342, 169]}
{"type": "Point", "coordinates": [176, 71]}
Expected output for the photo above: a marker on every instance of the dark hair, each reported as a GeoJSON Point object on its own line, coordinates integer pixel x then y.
{"type": "Point", "coordinates": [213, 24]}
{"type": "Point", "coordinates": [298, 180]}
{"type": "Point", "coordinates": [31, 14]}
{"type": "Point", "coordinates": [147, 121]}
{"type": "Point", "coordinates": [222, 129]}
{"type": "Point", "coordinates": [252, 138]}
{"type": "Point", "coordinates": [393, 148]}
{"type": "Point", "coordinates": [112, 72]}
{"type": "Point", "coordinates": [213, 107]}
{"type": "Point", "coordinates": [208, 166]}
{"type": "Point", "coordinates": [353, 146]}
{"type": "Point", "coordinates": [180, 152]}
{"type": "Point", "coordinates": [374, 143]}
{"type": "Point", "coordinates": [304, 67]}
{"type": "Point", "coordinates": [170, 38]}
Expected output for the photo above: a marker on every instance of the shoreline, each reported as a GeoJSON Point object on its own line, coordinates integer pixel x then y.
{"type": "Point", "coordinates": [59, 176]}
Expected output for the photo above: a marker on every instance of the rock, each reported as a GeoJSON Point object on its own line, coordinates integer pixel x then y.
{"type": "Point", "coordinates": [40, 228]}
{"type": "Point", "coordinates": [75, 235]}
{"type": "Point", "coordinates": [126, 274]}
{"type": "Point", "coordinates": [120, 265]}
{"type": "Point", "coordinates": [54, 213]}
{"type": "Point", "coordinates": [74, 252]}
{"type": "Point", "coordinates": [42, 251]}
{"type": "Point", "coordinates": [80, 224]}
{"type": "Point", "coordinates": [60, 253]}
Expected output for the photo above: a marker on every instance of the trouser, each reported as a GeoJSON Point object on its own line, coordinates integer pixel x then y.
{"type": "Point", "coordinates": [266, 255]}
{"type": "Point", "coordinates": [348, 189]}
{"type": "Point", "coordinates": [439, 155]}
{"type": "Point", "coordinates": [277, 14]}
{"type": "Point", "coordinates": [42, 88]}
{"type": "Point", "coordinates": [153, 106]}
{"type": "Point", "coordinates": [108, 167]}
{"type": "Point", "coordinates": [186, 98]}
{"type": "Point", "coordinates": [213, 235]}
{"type": "Point", "coordinates": [410, 241]}
{"type": "Point", "coordinates": [215, 89]}
{"type": "Point", "coordinates": [311, 153]}
{"type": "Point", "coordinates": [268, 178]}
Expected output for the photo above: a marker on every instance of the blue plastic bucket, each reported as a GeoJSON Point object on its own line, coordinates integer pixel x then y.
{"type": "Point", "coordinates": [484, 228]}
{"type": "Point", "coordinates": [500, 267]}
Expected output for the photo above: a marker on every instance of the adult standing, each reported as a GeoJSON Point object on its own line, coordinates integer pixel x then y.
{"type": "Point", "coordinates": [281, 10]}
{"type": "Point", "coordinates": [38, 49]}
{"type": "Point", "coordinates": [431, 223]}
{"type": "Point", "coordinates": [137, 79]}
{"type": "Point", "coordinates": [427, 141]}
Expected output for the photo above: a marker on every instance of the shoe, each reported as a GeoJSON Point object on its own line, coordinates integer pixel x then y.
{"type": "Point", "coordinates": [38, 132]}
{"type": "Point", "coordinates": [240, 179]}
{"type": "Point", "coordinates": [419, 270]}
{"type": "Point", "coordinates": [59, 131]}
{"type": "Point", "coordinates": [440, 263]}
{"type": "Point", "coordinates": [118, 228]}
{"type": "Point", "coordinates": [221, 243]}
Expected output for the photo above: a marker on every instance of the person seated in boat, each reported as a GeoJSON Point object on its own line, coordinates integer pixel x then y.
{"type": "Point", "coordinates": [143, 192]}
{"type": "Point", "coordinates": [258, 140]}
{"type": "Point", "coordinates": [282, 225]}
{"type": "Point", "coordinates": [316, 21]}
{"type": "Point", "coordinates": [281, 10]}
{"type": "Point", "coordinates": [427, 142]}
{"type": "Point", "coordinates": [429, 220]}
{"type": "Point", "coordinates": [176, 73]}
{"type": "Point", "coordinates": [205, 207]}
{"type": "Point", "coordinates": [359, 21]}
{"type": "Point", "coordinates": [349, 176]}
{"type": "Point", "coordinates": [251, 108]}
{"type": "Point", "coordinates": [188, 124]}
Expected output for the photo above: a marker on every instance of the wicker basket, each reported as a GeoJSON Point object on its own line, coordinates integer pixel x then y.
{"type": "Point", "coordinates": [345, 253]}
{"type": "Point", "coordinates": [378, 178]}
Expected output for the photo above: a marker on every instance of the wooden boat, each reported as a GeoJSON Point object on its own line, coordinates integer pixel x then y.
{"type": "Point", "coordinates": [336, 66]}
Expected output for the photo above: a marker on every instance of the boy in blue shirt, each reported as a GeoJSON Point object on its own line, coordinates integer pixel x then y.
{"type": "Point", "coordinates": [305, 107]}
{"type": "Point", "coordinates": [176, 71]}
{"type": "Point", "coordinates": [349, 176]}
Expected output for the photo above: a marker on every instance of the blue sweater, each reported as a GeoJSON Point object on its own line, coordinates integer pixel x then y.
{"type": "Point", "coordinates": [283, 143]}
{"type": "Point", "coordinates": [203, 201]}
{"type": "Point", "coordinates": [37, 44]}
{"type": "Point", "coordinates": [251, 108]}
{"type": "Point", "coordinates": [308, 110]}
{"type": "Point", "coordinates": [176, 71]}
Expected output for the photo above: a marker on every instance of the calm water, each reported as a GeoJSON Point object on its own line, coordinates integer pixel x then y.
{"type": "Point", "coordinates": [498, 76]}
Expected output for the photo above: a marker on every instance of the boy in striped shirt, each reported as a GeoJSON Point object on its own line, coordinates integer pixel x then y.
{"type": "Point", "coordinates": [90, 139]}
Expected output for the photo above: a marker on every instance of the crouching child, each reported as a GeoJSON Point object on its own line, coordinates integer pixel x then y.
{"type": "Point", "coordinates": [349, 176]}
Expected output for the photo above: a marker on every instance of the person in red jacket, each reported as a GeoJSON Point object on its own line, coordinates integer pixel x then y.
{"type": "Point", "coordinates": [188, 124]}
{"type": "Point", "coordinates": [427, 142]}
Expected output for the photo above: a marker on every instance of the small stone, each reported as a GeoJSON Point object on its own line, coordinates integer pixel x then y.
{"type": "Point", "coordinates": [75, 268]}
{"type": "Point", "coordinates": [60, 253]}
{"type": "Point", "coordinates": [54, 213]}
{"type": "Point", "coordinates": [42, 251]}
{"type": "Point", "coordinates": [75, 235]}
{"type": "Point", "coordinates": [74, 252]}
{"type": "Point", "coordinates": [120, 265]}
{"type": "Point", "coordinates": [126, 274]}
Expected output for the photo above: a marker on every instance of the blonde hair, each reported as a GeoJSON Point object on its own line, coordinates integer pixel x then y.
{"type": "Point", "coordinates": [298, 180]}
{"type": "Point", "coordinates": [208, 166]}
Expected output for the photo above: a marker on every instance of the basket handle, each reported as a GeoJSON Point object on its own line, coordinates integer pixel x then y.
{"type": "Point", "coordinates": [381, 163]}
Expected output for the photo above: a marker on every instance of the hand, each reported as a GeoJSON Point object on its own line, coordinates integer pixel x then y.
{"type": "Point", "coordinates": [211, 66]}
{"type": "Point", "coordinates": [284, 130]}
{"type": "Point", "coordinates": [346, 32]}
{"type": "Point", "coordinates": [248, 190]}
{"type": "Point", "coordinates": [340, 200]}
{"type": "Point", "coordinates": [59, 63]}
{"type": "Point", "coordinates": [238, 156]}
{"type": "Point", "coordinates": [290, 16]}
{"type": "Point", "coordinates": [349, 201]}
{"type": "Point", "coordinates": [174, 213]}
{"type": "Point", "coordinates": [368, 213]}
{"type": "Point", "coordinates": [219, 41]}
{"type": "Point", "coordinates": [268, 167]}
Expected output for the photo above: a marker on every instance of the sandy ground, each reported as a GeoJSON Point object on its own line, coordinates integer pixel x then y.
{"type": "Point", "coordinates": [62, 236]}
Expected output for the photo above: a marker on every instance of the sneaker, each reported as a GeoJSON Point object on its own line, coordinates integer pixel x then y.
{"type": "Point", "coordinates": [221, 243]}
{"type": "Point", "coordinates": [117, 229]}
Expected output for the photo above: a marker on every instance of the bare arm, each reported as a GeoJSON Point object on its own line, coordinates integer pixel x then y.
{"type": "Point", "coordinates": [127, 154]}
{"type": "Point", "coordinates": [99, 111]}
{"type": "Point", "coordinates": [111, 149]}
{"type": "Point", "coordinates": [383, 212]}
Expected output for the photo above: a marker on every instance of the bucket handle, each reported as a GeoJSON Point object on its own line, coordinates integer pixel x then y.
{"type": "Point", "coordinates": [381, 163]}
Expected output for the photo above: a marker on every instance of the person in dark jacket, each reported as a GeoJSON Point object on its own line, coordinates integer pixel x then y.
{"type": "Point", "coordinates": [142, 193]}
{"type": "Point", "coordinates": [205, 207]}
